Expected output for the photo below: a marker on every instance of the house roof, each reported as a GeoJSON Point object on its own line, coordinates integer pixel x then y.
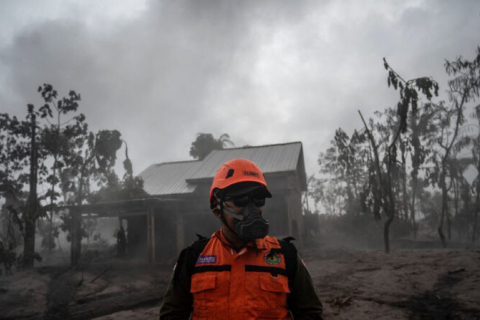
{"type": "Point", "coordinates": [169, 178]}
{"type": "Point", "coordinates": [183, 177]}
{"type": "Point", "coordinates": [269, 158]}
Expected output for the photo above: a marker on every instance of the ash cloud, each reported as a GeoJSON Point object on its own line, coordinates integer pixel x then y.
{"type": "Point", "coordinates": [263, 72]}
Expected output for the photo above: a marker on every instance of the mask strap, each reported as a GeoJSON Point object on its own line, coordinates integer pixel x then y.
{"type": "Point", "coordinates": [228, 210]}
{"type": "Point", "coordinates": [222, 218]}
{"type": "Point", "coordinates": [232, 213]}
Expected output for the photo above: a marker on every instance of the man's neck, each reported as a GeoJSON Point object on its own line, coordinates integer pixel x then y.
{"type": "Point", "coordinates": [235, 241]}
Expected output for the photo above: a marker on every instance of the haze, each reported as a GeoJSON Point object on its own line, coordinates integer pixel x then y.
{"type": "Point", "coordinates": [262, 71]}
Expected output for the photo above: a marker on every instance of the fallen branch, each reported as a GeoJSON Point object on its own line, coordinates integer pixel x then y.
{"type": "Point", "coordinates": [339, 302]}
{"type": "Point", "coordinates": [401, 266]}
{"type": "Point", "coordinates": [368, 269]}
{"type": "Point", "coordinates": [456, 271]}
{"type": "Point", "coordinates": [101, 273]}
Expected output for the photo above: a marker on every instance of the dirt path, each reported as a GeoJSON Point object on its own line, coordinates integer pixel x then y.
{"type": "Point", "coordinates": [82, 293]}
{"type": "Point", "coordinates": [406, 284]}
{"type": "Point", "coordinates": [352, 284]}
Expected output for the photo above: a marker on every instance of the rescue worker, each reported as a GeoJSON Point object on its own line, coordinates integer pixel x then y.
{"type": "Point", "coordinates": [121, 242]}
{"type": "Point", "coordinates": [240, 272]}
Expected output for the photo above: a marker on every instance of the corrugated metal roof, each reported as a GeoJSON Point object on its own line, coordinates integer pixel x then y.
{"type": "Point", "coordinates": [269, 158]}
{"type": "Point", "coordinates": [169, 178]}
{"type": "Point", "coordinates": [182, 177]}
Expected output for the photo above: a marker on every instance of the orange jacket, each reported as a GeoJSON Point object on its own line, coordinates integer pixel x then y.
{"type": "Point", "coordinates": [250, 284]}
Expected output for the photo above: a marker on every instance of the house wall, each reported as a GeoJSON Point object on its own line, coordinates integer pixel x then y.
{"type": "Point", "coordinates": [165, 235]}
{"type": "Point", "coordinates": [287, 199]}
{"type": "Point", "coordinates": [177, 226]}
{"type": "Point", "coordinates": [275, 211]}
{"type": "Point", "coordinates": [137, 236]}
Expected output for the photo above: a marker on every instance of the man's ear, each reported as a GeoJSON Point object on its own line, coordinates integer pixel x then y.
{"type": "Point", "coordinates": [217, 212]}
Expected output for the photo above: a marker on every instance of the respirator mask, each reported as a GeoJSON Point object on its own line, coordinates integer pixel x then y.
{"type": "Point", "coordinates": [249, 223]}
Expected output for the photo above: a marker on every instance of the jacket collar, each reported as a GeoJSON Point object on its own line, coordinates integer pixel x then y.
{"type": "Point", "coordinates": [260, 243]}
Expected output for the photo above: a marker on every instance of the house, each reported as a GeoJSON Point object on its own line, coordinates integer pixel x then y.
{"type": "Point", "coordinates": [178, 207]}
{"type": "Point", "coordinates": [177, 224]}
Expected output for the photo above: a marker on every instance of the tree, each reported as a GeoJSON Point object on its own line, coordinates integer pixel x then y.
{"type": "Point", "coordinates": [10, 185]}
{"type": "Point", "coordinates": [461, 195]}
{"type": "Point", "coordinates": [384, 170]}
{"type": "Point", "coordinates": [77, 159]}
{"type": "Point", "coordinates": [60, 139]}
{"type": "Point", "coordinates": [344, 167]}
{"type": "Point", "coordinates": [129, 188]}
{"type": "Point", "coordinates": [24, 164]}
{"type": "Point", "coordinates": [205, 143]}
{"type": "Point", "coordinates": [422, 130]}
{"type": "Point", "coordinates": [476, 182]}
{"type": "Point", "coordinates": [463, 89]}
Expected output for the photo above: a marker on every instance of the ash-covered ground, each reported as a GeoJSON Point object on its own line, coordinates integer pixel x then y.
{"type": "Point", "coordinates": [417, 280]}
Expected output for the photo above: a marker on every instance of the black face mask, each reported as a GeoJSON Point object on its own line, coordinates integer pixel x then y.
{"type": "Point", "coordinates": [249, 223]}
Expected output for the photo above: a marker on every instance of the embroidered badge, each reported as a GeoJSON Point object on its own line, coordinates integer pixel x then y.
{"type": "Point", "coordinates": [210, 259]}
{"type": "Point", "coordinates": [272, 258]}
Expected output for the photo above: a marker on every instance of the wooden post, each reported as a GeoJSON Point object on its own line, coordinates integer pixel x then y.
{"type": "Point", "coordinates": [151, 235]}
{"type": "Point", "coordinates": [180, 232]}
{"type": "Point", "coordinates": [149, 243]}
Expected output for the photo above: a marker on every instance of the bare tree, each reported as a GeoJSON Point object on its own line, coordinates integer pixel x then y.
{"type": "Point", "coordinates": [385, 196]}
{"type": "Point", "coordinates": [463, 89]}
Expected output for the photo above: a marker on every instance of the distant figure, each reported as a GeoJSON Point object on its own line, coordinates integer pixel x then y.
{"type": "Point", "coordinates": [121, 242]}
{"type": "Point", "coordinates": [240, 272]}
{"type": "Point", "coordinates": [311, 223]}
{"type": "Point", "coordinates": [2, 255]}
{"type": "Point", "coordinates": [7, 258]}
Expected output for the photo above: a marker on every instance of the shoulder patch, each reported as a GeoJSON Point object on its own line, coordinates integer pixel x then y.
{"type": "Point", "coordinates": [208, 259]}
{"type": "Point", "coordinates": [272, 258]}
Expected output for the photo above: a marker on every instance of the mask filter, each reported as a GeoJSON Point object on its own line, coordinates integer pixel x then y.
{"type": "Point", "coordinates": [249, 224]}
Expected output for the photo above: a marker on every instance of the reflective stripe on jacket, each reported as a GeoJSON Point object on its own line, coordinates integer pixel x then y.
{"type": "Point", "coordinates": [249, 284]}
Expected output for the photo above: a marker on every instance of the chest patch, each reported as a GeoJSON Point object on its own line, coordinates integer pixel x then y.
{"type": "Point", "coordinates": [272, 258]}
{"type": "Point", "coordinates": [210, 259]}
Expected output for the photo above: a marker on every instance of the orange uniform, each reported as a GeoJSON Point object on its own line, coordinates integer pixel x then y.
{"type": "Point", "coordinates": [223, 279]}
{"type": "Point", "coordinates": [249, 284]}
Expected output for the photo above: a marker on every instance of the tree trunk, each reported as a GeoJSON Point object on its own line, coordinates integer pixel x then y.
{"type": "Point", "coordinates": [456, 197]}
{"type": "Point", "coordinates": [31, 211]}
{"type": "Point", "coordinates": [412, 213]}
{"type": "Point", "coordinates": [415, 157]}
{"type": "Point", "coordinates": [475, 221]}
{"type": "Point", "coordinates": [389, 209]}
{"type": "Point", "coordinates": [404, 190]}
{"type": "Point", "coordinates": [386, 233]}
{"type": "Point", "coordinates": [444, 210]}
{"type": "Point", "coordinates": [449, 225]}
{"type": "Point", "coordinates": [29, 245]}
{"type": "Point", "coordinates": [52, 212]}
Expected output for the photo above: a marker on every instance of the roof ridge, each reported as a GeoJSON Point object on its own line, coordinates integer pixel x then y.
{"type": "Point", "coordinates": [261, 146]}
{"type": "Point", "coordinates": [174, 162]}
{"type": "Point", "coordinates": [244, 147]}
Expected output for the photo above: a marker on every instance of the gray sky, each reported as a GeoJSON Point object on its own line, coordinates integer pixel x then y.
{"type": "Point", "coordinates": [262, 71]}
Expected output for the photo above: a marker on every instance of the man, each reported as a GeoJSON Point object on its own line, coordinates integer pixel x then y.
{"type": "Point", "coordinates": [121, 242]}
{"type": "Point", "coordinates": [240, 272]}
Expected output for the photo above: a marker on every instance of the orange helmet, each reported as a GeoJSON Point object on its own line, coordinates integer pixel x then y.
{"type": "Point", "coordinates": [237, 171]}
